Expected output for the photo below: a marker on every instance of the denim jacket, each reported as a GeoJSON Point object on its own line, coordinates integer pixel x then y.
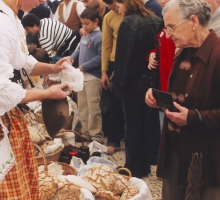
{"type": "Point", "coordinates": [135, 39]}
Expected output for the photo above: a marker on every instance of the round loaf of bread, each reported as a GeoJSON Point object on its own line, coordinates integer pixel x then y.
{"type": "Point", "coordinates": [101, 177]}
{"type": "Point", "coordinates": [120, 184]}
{"type": "Point", "coordinates": [69, 191]}
{"type": "Point", "coordinates": [47, 185]}
{"type": "Point", "coordinates": [129, 192]}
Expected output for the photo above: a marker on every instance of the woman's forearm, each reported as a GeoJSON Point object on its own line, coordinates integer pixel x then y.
{"type": "Point", "coordinates": [53, 92]}
{"type": "Point", "coordinates": [33, 95]}
{"type": "Point", "coordinates": [42, 69]}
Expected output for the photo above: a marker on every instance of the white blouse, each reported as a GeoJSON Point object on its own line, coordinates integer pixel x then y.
{"type": "Point", "coordinates": [12, 57]}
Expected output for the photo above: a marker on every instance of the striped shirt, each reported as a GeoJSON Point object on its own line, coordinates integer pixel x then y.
{"type": "Point", "coordinates": [55, 36]}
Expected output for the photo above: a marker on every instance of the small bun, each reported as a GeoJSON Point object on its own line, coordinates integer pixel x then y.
{"type": "Point", "coordinates": [106, 195]}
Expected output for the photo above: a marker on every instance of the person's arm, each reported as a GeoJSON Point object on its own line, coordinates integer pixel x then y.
{"type": "Point", "coordinates": [45, 68]}
{"type": "Point", "coordinates": [107, 43]}
{"type": "Point", "coordinates": [95, 62]}
{"type": "Point", "coordinates": [53, 92]}
{"type": "Point", "coordinates": [125, 43]}
{"type": "Point", "coordinates": [46, 35]}
{"type": "Point", "coordinates": [75, 54]}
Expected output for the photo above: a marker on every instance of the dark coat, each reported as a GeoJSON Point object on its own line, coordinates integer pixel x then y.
{"type": "Point", "coordinates": [202, 92]}
{"type": "Point", "coordinates": [135, 38]}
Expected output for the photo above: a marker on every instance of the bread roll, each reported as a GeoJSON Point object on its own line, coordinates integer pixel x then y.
{"type": "Point", "coordinates": [106, 195]}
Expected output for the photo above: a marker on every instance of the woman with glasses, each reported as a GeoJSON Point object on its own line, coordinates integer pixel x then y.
{"type": "Point", "coordinates": [135, 38]}
{"type": "Point", "coordinates": [194, 85]}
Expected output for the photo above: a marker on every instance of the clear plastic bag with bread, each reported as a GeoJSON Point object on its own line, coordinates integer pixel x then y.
{"type": "Point", "coordinates": [73, 76]}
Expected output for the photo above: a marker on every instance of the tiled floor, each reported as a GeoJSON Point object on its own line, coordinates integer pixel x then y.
{"type": "Point", "coordinates": [154, 185]}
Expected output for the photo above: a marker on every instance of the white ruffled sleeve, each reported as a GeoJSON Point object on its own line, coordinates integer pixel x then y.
{"type": "Point", "coordinates": [10, 93]}
{"type": "Point", "coordinates": [31, 61]}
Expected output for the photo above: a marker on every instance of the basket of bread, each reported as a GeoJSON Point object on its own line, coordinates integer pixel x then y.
{"type": "Point", "coordinates": [101, 183]}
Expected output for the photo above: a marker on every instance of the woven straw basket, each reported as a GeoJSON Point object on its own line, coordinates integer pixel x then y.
{"type": "Point", "coordinates": [50, 157]}
{"type": "Point", "coordinates": [67, 168]}
{"type": "Point", "coordinates": [123, 169]}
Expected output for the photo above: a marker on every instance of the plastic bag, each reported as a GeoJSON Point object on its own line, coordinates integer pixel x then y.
{"type": "Point", "coordinates": [144, 192]}
{"type": "Point", "coordinates": [73, 76]}
{"type": "Point", "coordinates": [96, 147]}
{"type": "Point", "coordinates": [76, 163]}
{"type": "Point", "coordinates": [94, 160]}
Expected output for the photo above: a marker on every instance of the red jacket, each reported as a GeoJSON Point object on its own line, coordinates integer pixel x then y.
{"type": "Point", "coordinates": [167, 51]}
{"type": "Point", "coordinates": [166, 55]}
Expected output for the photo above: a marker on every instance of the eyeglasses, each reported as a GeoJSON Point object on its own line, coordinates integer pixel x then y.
{"type": "Point", "coordinates": [170, 30]}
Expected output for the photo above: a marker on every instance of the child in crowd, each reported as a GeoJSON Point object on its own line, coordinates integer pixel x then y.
{"type": "Point", "coordinates": [89, 55]}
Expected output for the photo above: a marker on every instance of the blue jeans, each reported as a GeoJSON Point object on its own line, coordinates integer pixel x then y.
{"type": "Point", "coordinates": [140, 128]}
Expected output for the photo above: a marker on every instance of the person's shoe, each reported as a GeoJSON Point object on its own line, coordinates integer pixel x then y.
{"type": "Point", "coordinates": [110, 150]}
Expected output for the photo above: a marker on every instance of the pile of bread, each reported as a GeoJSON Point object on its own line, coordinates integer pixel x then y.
{"type": "Point", "coordinates": [98, 183]}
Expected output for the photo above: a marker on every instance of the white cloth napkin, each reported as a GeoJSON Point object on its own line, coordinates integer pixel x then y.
{"type": "Point", "coordinates": [7, 160]}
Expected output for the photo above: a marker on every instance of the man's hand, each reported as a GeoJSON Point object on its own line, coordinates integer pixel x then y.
{"type": "Point", "coordinates": [105, 80]}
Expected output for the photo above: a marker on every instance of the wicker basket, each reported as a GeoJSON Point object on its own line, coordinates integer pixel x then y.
{"type": "Point", "coordinates": [67, 168]}
{"type": "Point", "coordinates": [39, 118]}
{"type": "Point", "coordinates": [50, 157]}
{"type": "Point", "coordinates": [123, 169]}
{"type": "Point", "coordinates": [63, 132]}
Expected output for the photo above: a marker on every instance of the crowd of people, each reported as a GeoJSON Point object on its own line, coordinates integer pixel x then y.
{"type": "Point", "coordinates": [124, 48]}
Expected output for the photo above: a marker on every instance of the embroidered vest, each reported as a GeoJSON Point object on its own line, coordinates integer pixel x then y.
{"type": "Point", "coordinates": [73, 19]}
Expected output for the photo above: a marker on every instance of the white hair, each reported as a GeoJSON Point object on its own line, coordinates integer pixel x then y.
{"type": "Point", "coordinates": [186, 8]}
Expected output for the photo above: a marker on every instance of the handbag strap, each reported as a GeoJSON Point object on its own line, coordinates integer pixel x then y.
{"type": "Point", "coordinates": [199, 130]}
